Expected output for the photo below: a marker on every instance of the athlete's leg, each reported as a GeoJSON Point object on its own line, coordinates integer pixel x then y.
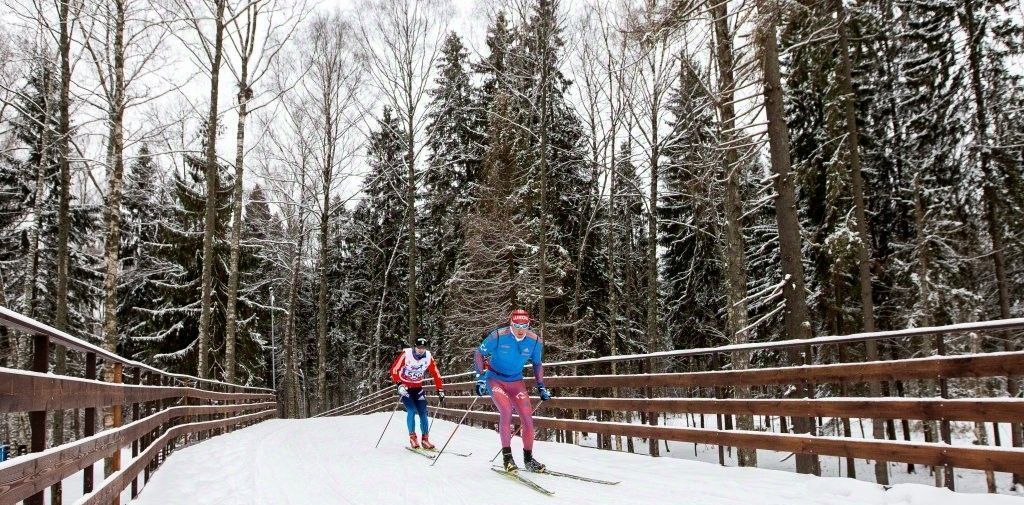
{"type": "Point", "coordinates": [410, 414]}
{"type": "Point", "coordinates": [421, 409]}
{"type": "Point", "coordinates": [503, 403]}
{"type": "Point", "coordinates": [521, 402]}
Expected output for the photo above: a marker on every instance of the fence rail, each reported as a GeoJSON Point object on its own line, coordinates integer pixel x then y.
{"type": "Point", "coordinates": [167, 410]}
{"type": "Point", "coordinates": [598, 403]}
{"type": "Point", "coordinates": [981, 458]}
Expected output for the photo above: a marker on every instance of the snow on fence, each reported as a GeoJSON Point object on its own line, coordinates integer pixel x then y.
{"type": "Point", "coordinates": [168, 410]}
{"type": "Point", "coordinates": [588, 402]}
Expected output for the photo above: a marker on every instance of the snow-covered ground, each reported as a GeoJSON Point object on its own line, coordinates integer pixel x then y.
{"type": "Point", "coordinates": [332, 460]}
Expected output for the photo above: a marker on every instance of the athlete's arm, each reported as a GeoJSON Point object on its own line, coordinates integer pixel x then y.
{"type": "Point", "coordinates": [538, 364]}
{"type": "Point", "coordinates": [396, 366]}
{"type": "Point", "coordinates": [435, 374]}
{"type": "Point", "coordinates": [483, 352]}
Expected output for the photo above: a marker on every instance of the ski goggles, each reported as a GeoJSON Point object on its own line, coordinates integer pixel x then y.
{"type": "Point", "coordinates": [521, 326]}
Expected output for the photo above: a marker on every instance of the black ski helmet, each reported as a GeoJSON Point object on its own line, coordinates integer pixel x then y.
{"type": "Point", "coordinates": [421, 342]}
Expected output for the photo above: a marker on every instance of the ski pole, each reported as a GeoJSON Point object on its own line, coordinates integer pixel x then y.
{"type": "Point", "coordinates": [440, 404]}
{"type": "Point", "coordinates": [464, 416]}
{"type": "Point", "coordinates": [520, 428]}
{"type": "Point", "coordinates": [386, 425]}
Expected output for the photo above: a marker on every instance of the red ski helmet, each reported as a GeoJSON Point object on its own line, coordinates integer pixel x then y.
{"type": "Point", "coordinates": [519, 319]}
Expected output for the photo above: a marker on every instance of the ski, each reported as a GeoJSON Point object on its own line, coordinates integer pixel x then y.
{"type": "Point", "coordinates": [453, 453]}
{"type": "Point", "coordinates": [574, 476]}
{"type": "Point", "coordinates": [422, 452]}
{"type": "Point", "coordinates": [523, 480]}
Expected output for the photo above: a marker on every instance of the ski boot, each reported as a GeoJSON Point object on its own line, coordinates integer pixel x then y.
{"type": "Point", "coordinates": [425, 442]}
{"type": "Point", "coordinates": [415, 444]}
{"type": "Point", "coordinates": [510, 464]}
{"type": "Point", "coordinates": [531, 464]}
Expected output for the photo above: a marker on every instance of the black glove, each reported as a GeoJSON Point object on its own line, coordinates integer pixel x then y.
{"type": "Point", "coordinates": [440, 397]}
{"type": "Point", "coordinates": [543, 392]}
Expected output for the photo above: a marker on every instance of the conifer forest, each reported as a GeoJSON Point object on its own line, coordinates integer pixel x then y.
{"type": "Point", "coordinates": [285, 193]}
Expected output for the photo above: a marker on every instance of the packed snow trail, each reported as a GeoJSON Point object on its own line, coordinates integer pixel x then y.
{"type": "Point", "coordinates": [332, 460]}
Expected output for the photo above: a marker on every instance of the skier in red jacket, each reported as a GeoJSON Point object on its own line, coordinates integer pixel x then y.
{"type": "Point", "coordinates": [408, 370]}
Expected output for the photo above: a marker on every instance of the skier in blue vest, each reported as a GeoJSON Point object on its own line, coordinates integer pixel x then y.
{"type": "Point", "coordinates": [499, 365]}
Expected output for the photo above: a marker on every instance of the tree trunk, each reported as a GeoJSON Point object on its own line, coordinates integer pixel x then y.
{"type": "Point", "coordinates": [290, 393]}
{"type": "Point", "coordinates": [991, 198]}
{"type": "Point", "coordinates": [210, 221]}
{"type": "Point", "coordinates": [652, 243]}
{"type": "Point", "coordinates": [924, 294]}
{"type": "Point", "coordinates": [613, 290]}
{"type": "Point", "coordinates": [735, 264]}
{"type": "Point", "coordinates": [231, 316]}
{"type": "Point", "coordinates": [845, 77]}
{"type": "Point", "coordinates": [63, 215]}
{"type": "Point", "coordinates": [321, 302]}
{"type": "Point", "coordinates": [544, 119]}
{"type": "Point", "coordinates": [795, 315]}
{"type": "Point", "coordinates": [410, 196]}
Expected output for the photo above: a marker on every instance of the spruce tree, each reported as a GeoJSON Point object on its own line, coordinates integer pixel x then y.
{"type": "Point", "coordinates": [171, 333]}
{"type": "Point", "coordinates": [143, 211]}
{"type": "Point", "coordinates": [689, 220]}
{"type": "Point", "coordinates": [453, 167]}
{"type": "Point", "coordinates": [380, 247]}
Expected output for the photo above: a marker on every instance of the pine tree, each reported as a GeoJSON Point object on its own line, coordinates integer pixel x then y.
{"type": "Point", "coordinates": [258, 273]}
{"type": "Point", "coordinates": [143, 211]}
{"type": "Point", "coordinates": [171, 332]}
{"type": "Point", "coordinates": [630, 266]}
{"type": "Point", "coordinates": [378, 261]}
{"type": "Point", "coordinates": [484, 280]}
{"type": "Point", "coordinates": [554, 191]}
{"type": "Point", "coordinates": [30, 216]}
{"type": "Point", "coordinates": [692, 266]}
{"type": "Point", "coordinates": [453, 168]}
{"type": "Point", "coordinates": [27, 195]}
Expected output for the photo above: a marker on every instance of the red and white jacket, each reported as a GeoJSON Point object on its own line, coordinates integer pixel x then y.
{"type": "Point", "coordinates": [410, 371]}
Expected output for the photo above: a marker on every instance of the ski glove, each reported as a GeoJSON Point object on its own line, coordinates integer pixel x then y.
{"type": "Point", "coordinates": [402, 390]}
{"type": "Point", "coordinates": [543, 392]}
{"type": "Point", "coordinates": [440, 397]}
{"type": "Point", "coordinates": [482, 389]}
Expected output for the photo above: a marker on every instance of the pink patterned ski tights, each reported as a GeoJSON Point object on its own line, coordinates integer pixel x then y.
{"type": "Point", "coordinates": [507, 396]}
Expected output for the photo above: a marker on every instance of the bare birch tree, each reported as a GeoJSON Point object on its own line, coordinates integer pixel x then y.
{"type": "Point", "coordinates": [330, 89]}
{"type": "Point", "coordinates": [403, 41]}
{"type": "Point", "coordinates": [259, 33]}
{"type": "Point", "coordinates": [122, 39]}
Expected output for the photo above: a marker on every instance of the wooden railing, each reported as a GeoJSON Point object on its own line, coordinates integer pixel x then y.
{"type": "Point", "coordinates": [167, 410]}
{"type": "Point", "coordinates": [584, 391]}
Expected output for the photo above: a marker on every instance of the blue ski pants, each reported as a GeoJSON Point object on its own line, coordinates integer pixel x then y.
{"type": "Point", "coordinates": [416, 403]}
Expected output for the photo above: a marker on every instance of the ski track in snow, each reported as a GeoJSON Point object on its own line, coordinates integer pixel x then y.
{"type": "Point", "coordinates": [333, 461]}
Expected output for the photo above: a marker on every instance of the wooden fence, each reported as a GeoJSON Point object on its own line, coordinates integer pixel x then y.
{"type": "Point", "coordinates": [820, 387]}
{"type": "Point", "coordinates": [167, 410]}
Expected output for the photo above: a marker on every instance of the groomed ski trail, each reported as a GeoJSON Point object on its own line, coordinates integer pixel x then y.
{"type": "Point", "coordinates": [332, 460]}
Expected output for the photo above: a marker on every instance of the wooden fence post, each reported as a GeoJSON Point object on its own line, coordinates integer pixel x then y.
{"type": "Point", "coordinates": [135, 443]}
{"type": "Point", "coordinates": [940, 349]}
{"type": "Point", "coordinates": [717, 365]}
{"type": "Point", "coordinates": [37, 419]}
{"type": "Point", "coordinates": [118, 420]}
{"type": "Point", "coordinates": [851, 463]}
{"type": "Point", "coordinates": [90, 421]}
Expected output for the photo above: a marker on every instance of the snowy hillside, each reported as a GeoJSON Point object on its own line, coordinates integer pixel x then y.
{"type": "Point", "coordinates": [332, 460]}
